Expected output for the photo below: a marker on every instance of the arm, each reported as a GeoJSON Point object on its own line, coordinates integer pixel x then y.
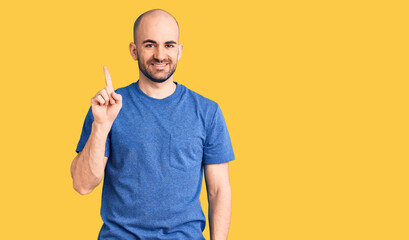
{"type": "Point", "coordinates": [87, 168]}
{"type": "Point", "coordinates": [219, 198]}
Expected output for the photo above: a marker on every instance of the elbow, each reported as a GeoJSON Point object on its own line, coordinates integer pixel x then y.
{"type": "Point", "coordinates": [83, 187]}
{"type": "Point", "coordinates": [84, 192]}
{"type": "Point", "coordinates": [80, 184]}
{"type": "Point", "coordinates": [75, 184]}
{"type": "Point", "coordinates": [81, 190]}
{"type": "Point", "coordinates": [224, 190]}
{"type": "Point", "coordinates": [83, 183]}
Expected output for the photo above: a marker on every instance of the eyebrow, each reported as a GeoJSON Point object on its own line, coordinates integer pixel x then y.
{"type": "Point", "coordinates": [151, 41]}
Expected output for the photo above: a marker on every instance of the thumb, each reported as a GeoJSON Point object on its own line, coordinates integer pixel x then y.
{"type": "Point", "coordinates": [117, 97]}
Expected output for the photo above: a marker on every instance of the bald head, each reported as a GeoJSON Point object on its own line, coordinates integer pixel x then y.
{"type": "Point", "coordinates": [154, 17]}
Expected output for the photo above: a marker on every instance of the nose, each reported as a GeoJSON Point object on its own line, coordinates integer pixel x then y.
{"type": "Point", "coordinates": [159, 54]}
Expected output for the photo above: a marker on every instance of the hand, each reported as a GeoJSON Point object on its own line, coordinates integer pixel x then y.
{"type": "Point", "coordinates": [106, 104]}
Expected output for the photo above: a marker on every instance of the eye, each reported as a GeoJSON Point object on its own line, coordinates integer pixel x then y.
{"type": "Point", "coordinates": [148, 45]}
{"type": "Point", "coordinates": [170, 45]}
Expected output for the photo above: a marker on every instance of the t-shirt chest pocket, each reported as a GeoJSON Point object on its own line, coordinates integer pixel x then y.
{"type": "Point", "coordinates": [185, 152]}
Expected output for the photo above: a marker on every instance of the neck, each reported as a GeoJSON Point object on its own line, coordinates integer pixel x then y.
{"type": "Point", "coordinates": [157, 90]}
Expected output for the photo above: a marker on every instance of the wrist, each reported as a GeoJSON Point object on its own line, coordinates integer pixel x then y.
{"type": "Point", "coordinates": [102, 128]}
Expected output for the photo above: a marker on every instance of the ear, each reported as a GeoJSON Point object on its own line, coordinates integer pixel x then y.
{"type": "Point", "coordinates": [133, 51]}
{"type": "Point", "coordinates": [180, 51]}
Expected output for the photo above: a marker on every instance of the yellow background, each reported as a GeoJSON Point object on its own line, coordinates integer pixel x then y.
{"type": "Point", "coordinates": [314, 93]}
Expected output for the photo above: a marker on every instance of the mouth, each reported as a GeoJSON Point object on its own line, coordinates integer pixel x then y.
{"type": "Point", "coordinates": [160, 66]}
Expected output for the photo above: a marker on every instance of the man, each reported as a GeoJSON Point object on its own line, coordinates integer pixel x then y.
{"type": "Point", "coordinates": [152, 140]}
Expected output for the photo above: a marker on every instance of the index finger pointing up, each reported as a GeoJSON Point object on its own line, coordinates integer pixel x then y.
{"type": "Point", "coordinates": [108, 80]}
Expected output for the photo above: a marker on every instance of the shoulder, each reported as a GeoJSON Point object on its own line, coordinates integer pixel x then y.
{"type": "Point", "coordinates": [206, 107]}
{"type": "Point", "coordinates": [126, 89]}
{"type": "Point", "coordinates": [205, 103]}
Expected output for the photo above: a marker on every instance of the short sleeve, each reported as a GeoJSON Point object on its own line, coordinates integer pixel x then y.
{"type": "Point", "coordinates": [217, 147]}
{"type": "Point", "coordinates": [86, 131]}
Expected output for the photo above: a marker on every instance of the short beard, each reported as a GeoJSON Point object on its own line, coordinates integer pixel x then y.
{"type": "Point", "coordinates": [149, 75]}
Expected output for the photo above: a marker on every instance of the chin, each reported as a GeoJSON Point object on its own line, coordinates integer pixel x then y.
{"type": "Point", "coordinates": [158, 80]}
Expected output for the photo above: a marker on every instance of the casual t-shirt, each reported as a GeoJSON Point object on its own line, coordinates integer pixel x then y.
{"type": "Point", "coordinates": [156, 149]}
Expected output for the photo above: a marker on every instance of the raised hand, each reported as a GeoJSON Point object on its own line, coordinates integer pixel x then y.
{"type": "Point", "coordinates": [106, 104]}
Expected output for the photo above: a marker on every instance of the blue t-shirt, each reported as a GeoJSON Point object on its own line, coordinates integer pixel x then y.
{"type": "Point", "coordinates": [156, 149]}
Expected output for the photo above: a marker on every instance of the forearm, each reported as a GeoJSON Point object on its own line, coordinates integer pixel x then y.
{"type": "Point", "coordinates": [87, 168]}
{"type": "Point", "coordinates": [220, 213]}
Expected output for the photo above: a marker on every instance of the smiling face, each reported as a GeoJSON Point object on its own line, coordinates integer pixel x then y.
{"type": "Point", "coordinates": [156, 49]}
